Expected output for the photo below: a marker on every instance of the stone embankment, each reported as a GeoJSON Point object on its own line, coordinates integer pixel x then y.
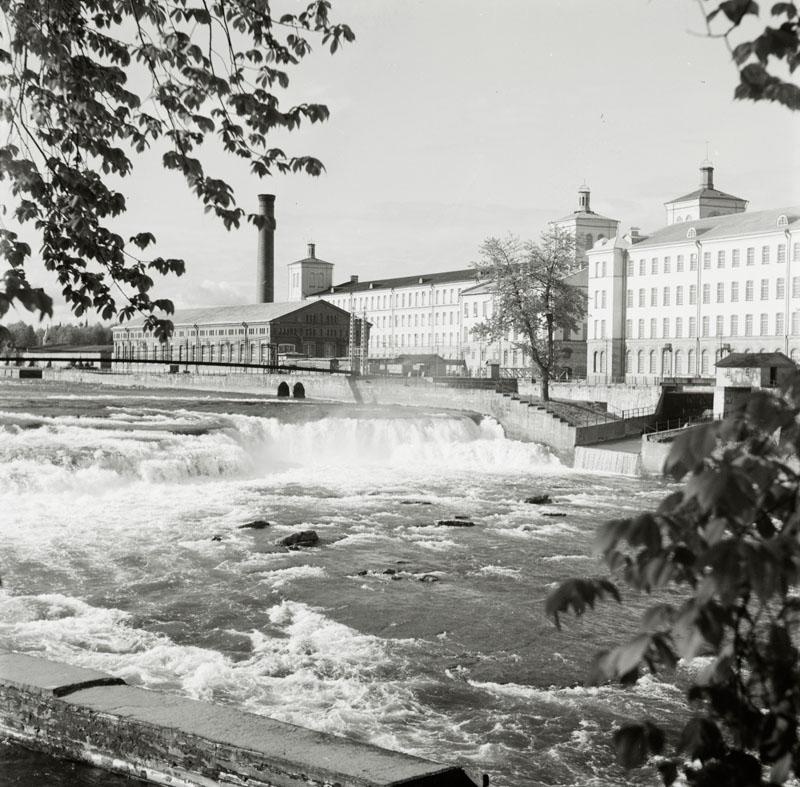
{"type": "Point", "coordinates": [90, 716]}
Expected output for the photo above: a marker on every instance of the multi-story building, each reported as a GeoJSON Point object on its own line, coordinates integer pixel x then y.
{"type": "Point", "coordinates": [434, 313]}
{"type": "Point", "coordinates": [716, 279]}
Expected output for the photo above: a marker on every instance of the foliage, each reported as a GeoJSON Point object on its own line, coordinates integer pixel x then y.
{"type": "Point", "coordinates": [756, 59]}
{"type": "Point", "coordinates": [729, 543]}
{"type": "Point", "coordinates": [21, 336]}
{"type": "Point", "coordinates": [531, 298]}
{"type": "Point", "coordinates": [86, 85]}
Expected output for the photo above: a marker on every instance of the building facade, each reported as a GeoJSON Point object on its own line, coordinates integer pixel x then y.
{"type": "Point", "coordinates": [262, 333]}
{"type": "Point", "coordinates": [672, 304]}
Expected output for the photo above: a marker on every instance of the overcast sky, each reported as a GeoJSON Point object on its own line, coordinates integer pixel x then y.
{"type": "Point", "coordinates": [453, 120]}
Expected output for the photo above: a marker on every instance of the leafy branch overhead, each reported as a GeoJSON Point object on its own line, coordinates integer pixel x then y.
{"type": "Point", "coordinates": [87, 85]}
{"type": "Point", "coordinates": [757, 59]}
{"type": "Point", "coordinates": [721, 556]}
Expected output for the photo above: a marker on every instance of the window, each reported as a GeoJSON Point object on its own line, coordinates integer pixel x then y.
{"type": "Point", "coordinates": [603, 273]}
{"type": "Point", "coordinates": [704, 363]}
{"type": "Point", "coordinates": [719, 327]}
{"type": "Point", "coordinates": [781, 252]}
{"type": "Point", "coordinates": [679, 263]}
{"type": "Point", "coordinates": [751, 256]}
{"type": "Point", "coordinates": [641, 297]}
{"type": "Point", "coordinates": [693, 262]}
{"type": "Point", "coordinates": [780, 289]}
{"type": "Point", "coordinates": [640, 329]}
{"type": "Point", "coordinates": [748, 290]}
{"type": "Point", "coordinates": [796, 252]}
{"type": "Point", "coordinates": [764, 255]}
{"type": "Point", "coordinates": [692, 294]}
{"type": "Point", "coordinates": [474, 308]}
{"type": "Point", "coordinates": [665, 327]}
{"type": "Point", "coordinates": [665, 297]}
{"type": "Point", "coordinates": [779, 324]}
{"type": "Point", "coordinates": [679, 327]}
{"type": "Point", "coordinates": [629, 329]}
{"type": "Point", "coordinates": [736, 258]}
{"type": "Point", "coordinates": [720, 292]}
{"type": "Point", "coordinates": [596, 298]}
{"type": "Point", "coordinates": [692, 327]}
{"type": "Point", "coordinates": [667, 265]}
{"type": "Point", "coordinates": [654, 296]}
{"type": "Point", "coordinates": [796, 287]}
{"type": "Point", "coordinates": [466, 309]}
{"type": "Point", "coordinates": [640, 361]}
{"type": "Point", "coordinates": [706, 325]}
{"type": "Point", "coordinates": [721, 258]}
{"type": "Point", "coordinates": [748, 325]}
{"type": "Point", "coordinates": [628, 362]}
{"type": "Point", "coordinates": [629, 268]}
{"type": "Point", "coordinates": [734, 325]}
{"type": "Point", "coordinates": [734, 292]}
{"type": "Point", "coordinates": [652, 362]}
{"type": "Point", "coordinates": [653, 328]}
{"type": "Point", "coordinates": [597, 270]}
{"type": "Point", "coordinates": [706, 259]}
{"type": "Point", "coordinates": [706, 293]}
{"type": "Point", "coordinates": [795, 323]}
{"type": "Point", "coordinates": [763, 327]}
{"type": "Point", "coordinates": [764, 289]}
{"type": "Point", "coordinates": [603, 299]}
{"type": "Point", "coordinates": [602, 329]}
{"type": "Point", "coordinates": [679, 295]}
{"type": "Point", "coordinates": [629, 298]}
{"type": "Point", "coordinates": [654, 265]}
{"type": "Point", "coordinates": [690, 362]}
{"type": "Point", "coordinates": [678, 362]}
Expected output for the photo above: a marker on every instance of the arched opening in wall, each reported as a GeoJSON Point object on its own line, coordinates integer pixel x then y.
{"type": "Point", "coordinates": [652, 362]}
{"type": "Point", "coordinates": [299, 391]}
{"type": "Point", "coordinates": [602, 362]}
{"type": "Point", "coordinates": [704, 363]}
{"type": "Point", "coordinates": [666, 363]}
{"type": "Point", "coordinates": [690, 359]}
{"type": "Point", "coordinates": [594, 362]}
{"type": "Point", "coordinates": [628, 362]}
{"type": "Point", "coordinates": [589, 240]}
{"type": "Point", "coordinates": [640, 362]}
{"type": "Point", "coordinates": [678, 362]}
{"type": "Point", "coordinates": [283, 390]}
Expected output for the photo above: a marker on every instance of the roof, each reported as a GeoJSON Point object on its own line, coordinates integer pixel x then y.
{"type": "Point", "coordinates": [754, 361]}
{"type": "Point", "coordinates": [479, 289]}
{"type": "Point", "coordinates": [445, 277]}
{"type": "Point", "coordinates": [316, 260]}
{"type": "Point", "coordinates": [68, 348]}
{"type": "Point", "coordinates": [584, 214]}
{"type": "Point", "coordinates": [224, 315]}
{"type": "Point", "coordinates": [705, 193]}
{"type": "Point", "coordinates": [719, 227]}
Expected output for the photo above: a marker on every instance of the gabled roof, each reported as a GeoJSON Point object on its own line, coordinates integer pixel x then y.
{"type": "Point", "coordinates": [705, 193]}
{"type": "Point", "coordinates": [225, 315]}
{"type": "Point", "coordinates": [311, 259]}
{"type": "Point", "coordinates": [754, 361]}
{"type": "Point", "coordinates": [584, 214]}
{"type": "Point", "coordinates": [719, 227]}
{"type": "Point", "coordinates": [445, 277]}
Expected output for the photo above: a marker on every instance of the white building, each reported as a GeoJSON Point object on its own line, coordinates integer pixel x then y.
{"type": "Point", "coordinates": [673, 303]}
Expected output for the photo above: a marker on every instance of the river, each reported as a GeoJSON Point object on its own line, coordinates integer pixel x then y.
{"type": "Point", "coordinates": [122, 551]}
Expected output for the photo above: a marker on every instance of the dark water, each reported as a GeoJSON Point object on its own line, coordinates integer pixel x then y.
{"type": "Point", "coordinates": [107, 513]}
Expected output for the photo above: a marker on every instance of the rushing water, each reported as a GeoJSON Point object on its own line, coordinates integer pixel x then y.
{"type": "Point", "coordinates": [109, 502]}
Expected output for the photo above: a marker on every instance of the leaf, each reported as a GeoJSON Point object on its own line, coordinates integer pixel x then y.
{"type": "Point", "coordinates": [690, 448]}
{"type": "Point", "coordinates": [701, 740]}
{"type": "Point", "coordinates": [577, 595]}
{"type": "Point", "coordinates": [633, 743]}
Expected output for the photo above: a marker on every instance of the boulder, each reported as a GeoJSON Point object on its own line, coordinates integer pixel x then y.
{"type": "Point", "coordinates": [539, 500]}
{"type": "Point", "coordinates": [304, 538]}
{"type": "Point", "coordinates": [455, 522]}
{"type": "Point", "coordinates": [429, 578]}
{"type": "Point", "coordinates": [216, 538]}
{"type": "Point", "coordinates": [256, 524]}
{"type": "Point", "coordinates": [553, 513]}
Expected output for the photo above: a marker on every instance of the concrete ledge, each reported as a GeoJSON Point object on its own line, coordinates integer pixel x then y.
{"type": "Point", "coordinates": [166, 739]}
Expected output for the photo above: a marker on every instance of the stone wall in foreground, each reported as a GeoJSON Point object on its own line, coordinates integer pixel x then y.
{"type": "Point", "coordinates": [170, 740]}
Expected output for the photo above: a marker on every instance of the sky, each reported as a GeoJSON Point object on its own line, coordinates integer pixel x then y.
{"type": "Point", "coordinates": [455, 120]}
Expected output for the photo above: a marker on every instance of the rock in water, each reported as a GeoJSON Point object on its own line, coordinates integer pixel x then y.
{"type": "Point", "coordinates": [256, 524]}
{"type": "Point", "coordinates": [216, 538]}
{"type": "Point", "coordinates": [455, 522]}
{"type": "Point", "coordinates": [553, 513]}
{"type": "Point", "coordinates": [539, 500]}
{"type": "Point", "coordinates": [305, 538]}
{"type": "Point", "coordinates": [429, 578]}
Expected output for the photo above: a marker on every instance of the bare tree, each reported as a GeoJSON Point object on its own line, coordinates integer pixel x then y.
{"type": "Point", "coordinates": [532, 299]}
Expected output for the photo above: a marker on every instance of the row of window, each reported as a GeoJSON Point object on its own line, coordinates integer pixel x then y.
{"type": "Point", "coordinates": [720, 259]}
{"type": "Point", "coordinates": [398, 299]}
{"type": "Point", "coordinates": [767, 326]}
{"type": "Point", "coordinates": [666, 292]}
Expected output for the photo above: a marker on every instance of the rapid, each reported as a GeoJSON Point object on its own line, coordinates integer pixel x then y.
{"type": "Point", "coordinates": [122, 551]}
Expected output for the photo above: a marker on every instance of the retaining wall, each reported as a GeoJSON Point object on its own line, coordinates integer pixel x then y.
{"type": "Point", "coordinates": [618, 395]}
{"type": "Point", "coordinates": [613, 430]}
{"type": "Point", "coordinates": [654, 455]}
{"type": "Point", "coordinates": [165, 739]}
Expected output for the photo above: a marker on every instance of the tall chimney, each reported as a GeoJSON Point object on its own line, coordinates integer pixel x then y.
{"type": "Point", "coordinates": [311, 251]}
{"type": "Point", "coordinates": [265, 281]}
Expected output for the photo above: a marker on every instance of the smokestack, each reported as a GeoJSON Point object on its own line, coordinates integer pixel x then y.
{"type": "Point", "coordinates": [265, 283]}
{"type": "Point", "coordinates": [311, 251]}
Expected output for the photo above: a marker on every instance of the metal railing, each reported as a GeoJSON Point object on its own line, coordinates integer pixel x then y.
{"type": "Point", "coordinates": [664, 430]}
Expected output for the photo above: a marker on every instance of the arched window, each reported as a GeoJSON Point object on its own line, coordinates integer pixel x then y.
{"type": "Point", "coordinates": [589, 240]}
{"type": "Point", "coordinates": [640, 362]}
{"type": "Point", "coordinates": [602, 362]}
{"type": "Point", "coordinates": [783, 220]}
{"type": "Point", "coordinates": [690, 363]}
{"type": "Point", "coordinates": [627, 362]}
{"type": "Point", "coordinates": [666, 363]}
{"type": "Point", "coordinates": [704, 363]}
{"type": "Point", "coordinates": [594, 362]}
{"type": "Point", "coordinates": [678, 362]}
{"type": "Point", "coordinates": [794, 355]}
{"type": "Point", "coordinates": [652, 368]}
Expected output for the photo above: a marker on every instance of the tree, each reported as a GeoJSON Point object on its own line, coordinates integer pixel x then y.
{"type": "Point", "coordinates": [729, 541]}
{"type": "Point", "coordinates": [532, 299]}
{"type": "Point", "coordinates": [69, 71]}
{"type": "Point", "coordinates": [757, 58]}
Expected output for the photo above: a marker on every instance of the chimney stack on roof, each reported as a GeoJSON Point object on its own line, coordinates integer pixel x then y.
{"type": "Point", "coordinates": [312, 251]}
{"type": "Point", "coordinates": [265, 264]}
{"type": "Point", "coordinates": [354, 280]}
{"type": "Point", "coordinates": [707, 168]}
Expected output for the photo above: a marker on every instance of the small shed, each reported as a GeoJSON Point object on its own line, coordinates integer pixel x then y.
{"type": "Point", "coordinates": [738, 374]}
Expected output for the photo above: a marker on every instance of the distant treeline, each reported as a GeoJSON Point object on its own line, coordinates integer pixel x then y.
{"type": "Point", "coordinates": [21, 336]}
